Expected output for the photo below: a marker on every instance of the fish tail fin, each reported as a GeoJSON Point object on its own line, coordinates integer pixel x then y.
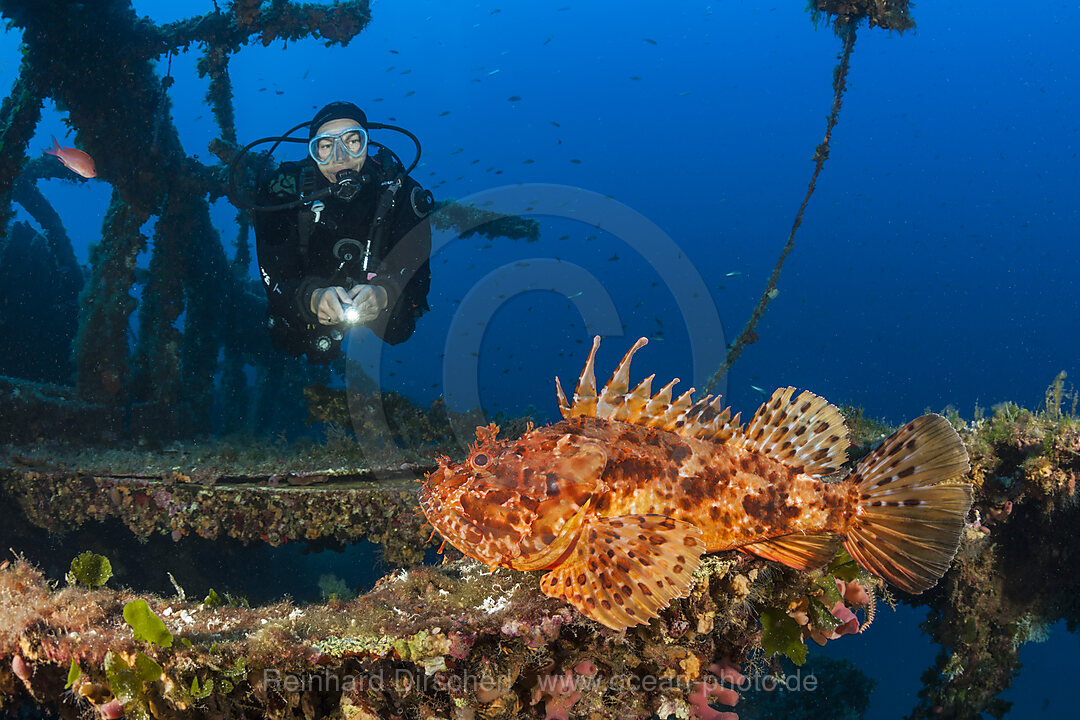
{"type": "Point", "coordinates": [55, 149]}
{"type": "Point", "coordinates": [907, 528]}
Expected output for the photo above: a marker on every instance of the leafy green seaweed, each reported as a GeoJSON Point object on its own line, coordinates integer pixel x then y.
{"type": "Point", "coordinates": [73, 674]}
{"type": "Point", "coordinates": [147, 668]}
{"type": "Point", "coordinates": [147, 626]}
{"type": "Point", "coordinates": [199, 693]}
{"type": "Point", "coordinates": [90, 570]}
{"type": "Point", "coordinates": [781, 634]}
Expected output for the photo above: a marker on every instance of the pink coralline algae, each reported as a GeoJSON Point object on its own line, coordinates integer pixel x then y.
{"type": "Point", "coordinates": [711, 690]}
{"type": "Point", "coordinates": [460, 644]}
{"type": "Point", "coordinates": [559, 692]}
{"type": "Point", "coordinates": [162, 497]}
{"type": "Point", "coordinates": [852, 594]}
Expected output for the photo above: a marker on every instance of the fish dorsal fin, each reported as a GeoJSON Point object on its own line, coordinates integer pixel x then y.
{"type": "Point", "coordinates": [670, 415]}
{"type": "Point", "coordinates": [803, 552]}
{"type": "Point", "coordinates": [706, 419]}
{"type": "Point", "coordinates": [659, 403]}
{"type": "Point", "coordinates": [625, 570]}
{"type": "Point", "coordinates": [806, 432]}
{"type": "Point", "coordinates": [564, 406]}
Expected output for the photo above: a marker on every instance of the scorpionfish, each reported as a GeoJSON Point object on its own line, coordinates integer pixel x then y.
{"type": "Point", "coordinates": [618, 501]}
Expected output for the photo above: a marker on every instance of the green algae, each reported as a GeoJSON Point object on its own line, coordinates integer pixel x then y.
{"type": "Point", "coordinates": [148, 627]}
{"type": "Point", "coordinates": [781, 635]}
{"type": "Point", "coordinates": [90, 570]}
{"type": "Point", "coordinates": [74, 673]}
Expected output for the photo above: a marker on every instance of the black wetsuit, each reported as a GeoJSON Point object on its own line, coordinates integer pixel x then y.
{"type": "Point", "coordinates": [289, 274]}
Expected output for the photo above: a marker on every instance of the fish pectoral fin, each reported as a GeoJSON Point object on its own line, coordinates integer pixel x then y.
{"type": "Point", "coordinates": [625, 569]}
{"type": "Point", "coordinates": [559, 546]}
{"type": "Point", "coordinates": [802, 552]}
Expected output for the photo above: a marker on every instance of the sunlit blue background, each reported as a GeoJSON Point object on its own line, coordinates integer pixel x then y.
{"type": "Point", "coordinates": [935, 265]}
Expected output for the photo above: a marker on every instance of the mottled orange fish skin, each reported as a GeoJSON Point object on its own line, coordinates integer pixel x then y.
{"type": "Point", "coordinates": [514, 506]}
{"type": "Point", "coordinates": [516, 503]}
{"type": "Point", "coordinates": [735, 496]}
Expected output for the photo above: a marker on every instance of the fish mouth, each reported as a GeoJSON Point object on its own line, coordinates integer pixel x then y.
{"type": "Point", "coordinates": [442, 490]}
{"type": "Point", "coordinates": [431, 503]}
{"type": "Point", "coordinates": [442, 509]}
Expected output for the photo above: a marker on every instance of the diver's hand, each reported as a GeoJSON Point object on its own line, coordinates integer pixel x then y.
{"type": "Point", "coordinates": [369, 301]}
{"type": "Point", "coordinates": [328, 304]}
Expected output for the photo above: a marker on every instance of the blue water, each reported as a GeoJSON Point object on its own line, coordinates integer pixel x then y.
{"type": "Point", "coordinates": [936, 264]}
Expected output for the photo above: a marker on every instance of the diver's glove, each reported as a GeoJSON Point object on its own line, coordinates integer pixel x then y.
{"type": "Point", "coordinates": [359, 306]}
{"type": "Point", "coordinates": [328, 304]}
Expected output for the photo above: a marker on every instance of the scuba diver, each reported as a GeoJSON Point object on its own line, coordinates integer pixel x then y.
{"type": "Point", "coordinates": [342, 237]}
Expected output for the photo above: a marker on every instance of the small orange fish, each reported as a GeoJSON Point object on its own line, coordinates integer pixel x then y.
{"type": "Point", "coordinates": [74, 160]}
{"type": "Point", "coordinates": [619, 501]}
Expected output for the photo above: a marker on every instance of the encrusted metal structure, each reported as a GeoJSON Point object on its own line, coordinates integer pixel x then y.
{"type": "Point", "coordinates": [462, 641]}
{"type": "Point", "coordinates": [103, 65]}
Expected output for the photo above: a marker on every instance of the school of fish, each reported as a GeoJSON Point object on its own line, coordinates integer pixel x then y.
{"type": "Point", "coordinates": [620, 499]}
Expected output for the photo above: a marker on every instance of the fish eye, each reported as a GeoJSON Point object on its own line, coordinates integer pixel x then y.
{"type": "Point", "coordinates": [479, 460]}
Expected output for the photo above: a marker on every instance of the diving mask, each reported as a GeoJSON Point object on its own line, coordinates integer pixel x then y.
{"type": "Point", "coordinates": [338, 147]}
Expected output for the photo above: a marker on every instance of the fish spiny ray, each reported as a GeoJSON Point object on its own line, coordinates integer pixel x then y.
{"type": "Point", "coordinates": [625, 569]}
{"type": "Point", "coordinates": [909, 521]}
{"type": "Point", "coordinates": [638, 399]}
{"type": "Point", "coordinates": [707, 419]}
{"type": "Point", "coordinates": [692, 416]}
{"type": "Point", "coordinates": [806, 433]}
{"type": "Point", "coordinates": [658, 403]}
{"type": "Point", "coordinates": [714, 423]}
{"type": "Point", "coordinates": [560, 396]}
{"type": "Point", "coordinates": [726, 428]}
{"type": "Point", "coordinates": [585, 393]}
{"type": "Point", "coordinates": [612, 399]}
{"type": "Point", "coordinates": [670, 415]}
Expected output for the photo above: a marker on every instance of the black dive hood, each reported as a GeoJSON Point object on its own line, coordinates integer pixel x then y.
{"type": "Point", "coordinates": [349, 179]}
